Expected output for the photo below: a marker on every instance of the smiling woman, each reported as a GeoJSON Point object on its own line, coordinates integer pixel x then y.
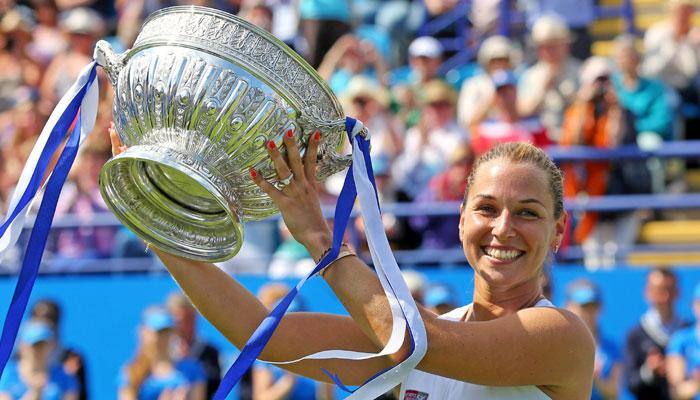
{"type": "Point", "coordinates": [511, 343]}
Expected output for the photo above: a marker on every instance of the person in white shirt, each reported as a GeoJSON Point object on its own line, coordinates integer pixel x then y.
{"type": "Point", "coordinates": [509, 344]}
{"type": "Point", "coordinates": [550, 85]}
{"type": "Point", "coordinates": [477, 96]}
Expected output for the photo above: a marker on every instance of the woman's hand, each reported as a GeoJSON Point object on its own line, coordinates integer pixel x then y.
{"type": "Point", "coordinates": [298, 201]}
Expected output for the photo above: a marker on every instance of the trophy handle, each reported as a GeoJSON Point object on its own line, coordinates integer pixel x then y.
{"type": "Point", "coordinates": [110, 61]}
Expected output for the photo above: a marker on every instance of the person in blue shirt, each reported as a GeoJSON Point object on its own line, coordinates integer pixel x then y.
{"type": "Point", "coordinates": [273, 383]}
{"type": "Point", "coordinates": [583, 298]}
{"type": "Point", "coordinates": [647, 99]}
{"type": "Point", "coordinates": [32, 376]}
{"type": "Point", "coordinates": [153, 374]}
{"type": "Point", "coordinates": [683, 357]}
{"type": "Point", "coordinates": [322, 22]}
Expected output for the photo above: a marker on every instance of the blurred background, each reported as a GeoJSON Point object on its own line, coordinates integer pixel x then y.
{"type": "Point", "coordinates": [609, 88]}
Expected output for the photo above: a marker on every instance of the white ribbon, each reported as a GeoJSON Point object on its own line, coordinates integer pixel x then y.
{"type": "Point", "coordinates": [89, 114]}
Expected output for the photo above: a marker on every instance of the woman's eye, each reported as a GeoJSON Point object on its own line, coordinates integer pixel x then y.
{"type": "Point", "coordinates": [529, 213]}
{"type": "Point", "coordinates": [485, 209]}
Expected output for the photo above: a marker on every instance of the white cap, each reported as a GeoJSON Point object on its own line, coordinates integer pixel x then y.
{"type": "Point", "coordinates": [495, 47]}
{"type": "Point", "coordinates": [594, 68]}
{"type": "Point", "coordinates": [550, 28]}
{"type": "Point", "coordinates": [82, 21]}
{"type": "Point", "coordinates": [425, 46]}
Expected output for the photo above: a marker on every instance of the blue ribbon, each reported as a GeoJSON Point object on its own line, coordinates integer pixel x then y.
{"type": "Point", "coordinates": [42, 224]}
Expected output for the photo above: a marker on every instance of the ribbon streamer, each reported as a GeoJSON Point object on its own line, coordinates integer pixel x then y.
{"type": "Point", "coordinates": [358, 181]}
{"type": "Point", "coordinates": [79, 102]}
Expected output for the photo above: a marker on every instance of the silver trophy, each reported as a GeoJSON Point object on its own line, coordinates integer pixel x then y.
{"type": "Point", "coordinates": [196, 99]}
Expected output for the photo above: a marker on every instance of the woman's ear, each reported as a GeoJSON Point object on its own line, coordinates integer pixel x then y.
{"type": "Point", "coordinates": [461, 222]}
{"type": "Point", "coordinates": [560, 230]}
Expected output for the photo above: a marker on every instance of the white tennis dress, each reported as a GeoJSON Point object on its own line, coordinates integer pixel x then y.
{"type": "Point", "coordinates": [420, 385]}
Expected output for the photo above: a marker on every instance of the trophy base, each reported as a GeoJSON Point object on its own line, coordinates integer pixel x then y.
{"type": "Point", "coordinates": [173, 201]}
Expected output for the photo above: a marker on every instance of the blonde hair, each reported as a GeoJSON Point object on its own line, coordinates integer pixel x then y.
{"type": "Point", "coordinates": [518, 152]}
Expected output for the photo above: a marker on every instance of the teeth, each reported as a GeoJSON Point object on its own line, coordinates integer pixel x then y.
{"type": "Point", "coordinates": [503, 255]}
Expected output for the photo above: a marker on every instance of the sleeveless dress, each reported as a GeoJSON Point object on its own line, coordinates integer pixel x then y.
{"type": "Point", "coordinates": [420, 385]}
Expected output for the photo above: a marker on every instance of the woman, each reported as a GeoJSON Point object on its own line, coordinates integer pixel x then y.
{"type": "Point", "coordinates": [512, 218]}
{"type": "Point", "coordinates": [153, 374]}
{"type": "Point", "coordinates": [33, 376]}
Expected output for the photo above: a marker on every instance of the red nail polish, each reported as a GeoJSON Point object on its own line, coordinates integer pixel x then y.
{"type": "Point", "coordinates": [317, 136]}
{"type": "Point", "coordinates": [290, 133]}
{"type": "Point", "coordinates": [271, 145]}
{"type": "Point", "coordinates": [252, 172]}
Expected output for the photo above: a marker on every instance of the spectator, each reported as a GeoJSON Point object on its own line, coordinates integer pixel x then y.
{"type": "Point", "coordinates": [81, 27]}
{"type": "Point", "coordinates": [33, 376]}
{"type": "Point", "coordinates": [271, 382]}
{"type": "Point", "coordinates": [424, 60]}
{"type": "Point", "coordinates": [290, 259]}
{"type": "Point", "coordinates": [645, 98]}
{"type": "Point", "coordinates": [683, 357]}
{"type": "Point", "coordinates": [323, 22]}
{"type": "Point", "coordinates": [189, 345]}
{"type": "Point", "coordinates": [645, 364]}
{"type": "Point", "coordinates": [439, 299]}
{"type": "Point", "coordinates": [583, 299]}
{"type": "Point", "coordinates": [506, 125]}
{"type": "Point", "coordinates": [597, 119]}
{"type": "Point", "coordinates": [258, 13]}
{"type": "Point", "coordinates": [578, 15]}
{"type": "Point", "coordinates": [449, 185]}
{"type": "Point", "coordinates": [71, 360]}
{"type": "Point", "coordinates": [672, 50]}
{"type": "Point", "coordinates": [349, 57]}
{"type": "Point", "coordinates": [81, 198]}
{"type": "Point", "coordinates": [153, 373]}
{"type": "Point", "coordinates": [428, 145]}
{"type": "Point", "coordinates": [477, 96]}
{"type": "Point", "coordinates": [47, 41]}
{"type": "Point", "coordinates": [18, 71]}
{"type": "Point", "coordinates": [369, 102]}
{"type": "Point", "coordinates": [549, 87]}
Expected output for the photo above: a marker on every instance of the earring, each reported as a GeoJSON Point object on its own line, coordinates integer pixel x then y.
{"type": "Point", "coordinates": [556, 248]}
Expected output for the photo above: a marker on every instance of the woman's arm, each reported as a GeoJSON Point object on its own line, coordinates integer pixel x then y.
{"type": "Point", "coordinates": [608, 386]}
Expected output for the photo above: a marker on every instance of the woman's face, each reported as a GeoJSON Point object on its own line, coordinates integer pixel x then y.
{"type": "Point", "coordinates": [507, 227]}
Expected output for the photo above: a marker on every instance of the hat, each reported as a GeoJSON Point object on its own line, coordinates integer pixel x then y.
{"type": "Point", "coordinates": [438, 90]}
{"type": "Point", "coordinates": [82, 21]}
{"type": "Point", "coordinates": [362, 86]}
{"type": "Point", "coordinates": [438, 295]}
{"type": "Point", "coordinates": [593, 68]}
{"type": "Point", "coordinates": [34, 332]}
{"type": "Point", "coordinates": [18, 18]}
{"type": "Point", "coordinates": [495, 47]}
{"type": "Point", "coordinates": [582, 293]}
{"type": "Point", "coordinates": [503, 77]}
{"type": "Point", "coordinates": [158, 319]}
{"type": "Point", "coordinates": [425, 46]}
{"type": "Point", "coordinates": [550, 28]}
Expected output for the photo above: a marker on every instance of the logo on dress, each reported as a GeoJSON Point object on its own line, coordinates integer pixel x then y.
{"type": "Point", "coordinates": [415, 395]}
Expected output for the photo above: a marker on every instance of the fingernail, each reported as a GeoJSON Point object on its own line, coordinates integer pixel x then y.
{"type": "Point", "coordinates": [317, 136]}
{"type": "Point", "coordinates": [271, 145]}
{"type": "Point", "coordinates": [290, 133]}
{"type": "Point", "coordinates": [252, 172]}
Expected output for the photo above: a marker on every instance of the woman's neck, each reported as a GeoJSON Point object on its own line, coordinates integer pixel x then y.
{"type": "Point", "coordinates": [491, 303]}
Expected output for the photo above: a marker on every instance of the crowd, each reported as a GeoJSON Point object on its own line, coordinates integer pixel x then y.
{"type": "Point", "coordinates": [658, 358]}
{"type": "Point", "coordinates": [427, 124]}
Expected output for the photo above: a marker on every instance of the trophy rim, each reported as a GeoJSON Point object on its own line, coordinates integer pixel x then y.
{"type": "Point", "coordinates": [257, 30]}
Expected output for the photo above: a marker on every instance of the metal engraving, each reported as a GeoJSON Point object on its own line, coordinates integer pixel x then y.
{"type": "Point", "coordinates": [196, 99]}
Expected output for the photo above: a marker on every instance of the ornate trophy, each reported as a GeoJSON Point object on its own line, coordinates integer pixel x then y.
{"type": "Point", "coordinates": [196, 99]}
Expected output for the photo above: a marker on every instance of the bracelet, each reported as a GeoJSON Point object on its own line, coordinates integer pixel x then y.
{"type": "Point", "coordinates": [342, 254]}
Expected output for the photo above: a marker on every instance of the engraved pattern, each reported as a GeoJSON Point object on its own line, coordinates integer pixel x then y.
{"type": "Point", "coordinates": [201, 92]}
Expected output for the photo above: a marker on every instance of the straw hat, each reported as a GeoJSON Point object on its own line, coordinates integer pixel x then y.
{"type": "Point", "coordinates": [362, 86]}
{"type": "Point", "coordinates": [550, 28]}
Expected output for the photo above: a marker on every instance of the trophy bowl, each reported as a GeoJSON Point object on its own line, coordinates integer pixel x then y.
{"type": "Point", "coordinates": [196, 99]}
